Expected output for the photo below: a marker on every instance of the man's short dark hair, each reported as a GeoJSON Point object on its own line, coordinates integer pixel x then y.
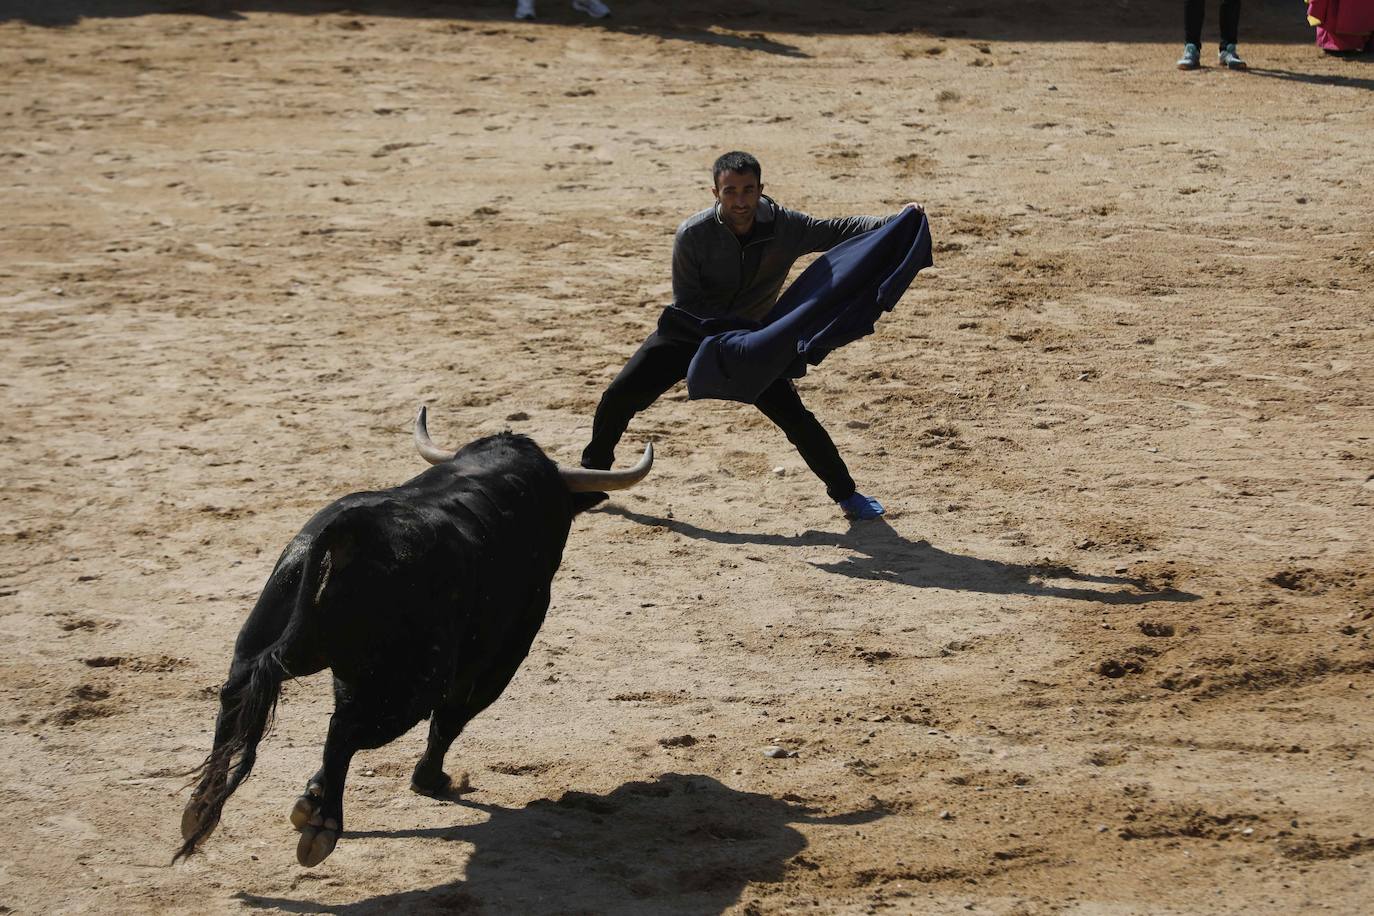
{"type": "Point", "coordinates": [736, 162]}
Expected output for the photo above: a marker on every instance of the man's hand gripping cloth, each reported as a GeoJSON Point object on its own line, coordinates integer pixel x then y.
{"type": "Point", "coordinates": [835, 301]}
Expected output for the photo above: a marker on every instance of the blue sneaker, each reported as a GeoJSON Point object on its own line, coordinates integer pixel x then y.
{"type": "Point", "coordinates": [1229, 59]}
{"type": "Point", "coordinates": [858, 507]}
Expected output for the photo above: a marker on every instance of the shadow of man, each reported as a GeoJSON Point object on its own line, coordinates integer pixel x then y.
{"type": "Point", "coordinates": [1318, 79]}
{"type": "Point", "coordinates": [879, 553]}
{"type": "Point", "coordinates": [678, 844]}
{"type": "Point", "coordinates": [729, 23]}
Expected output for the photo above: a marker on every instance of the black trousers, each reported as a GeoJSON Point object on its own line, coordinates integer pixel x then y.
{"type": "Point", "coordinates": [660, 363]}
{"type": "Point", "coordinates": [1230, 21]}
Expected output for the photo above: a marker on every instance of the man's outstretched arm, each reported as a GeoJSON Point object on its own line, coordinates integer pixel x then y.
{"type": "Point", "coordinates": [824, 234]}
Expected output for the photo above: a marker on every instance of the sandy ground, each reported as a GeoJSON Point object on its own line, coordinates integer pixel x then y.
{"type": "Point", "coordinates": [1108, 653]}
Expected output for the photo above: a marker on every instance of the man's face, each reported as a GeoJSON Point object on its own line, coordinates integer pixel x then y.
{"type": "Point", "coordinates": [738, 193]}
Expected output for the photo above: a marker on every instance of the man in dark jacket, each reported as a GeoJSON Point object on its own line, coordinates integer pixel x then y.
{"type": "Point", "coordinates": [730, 262]}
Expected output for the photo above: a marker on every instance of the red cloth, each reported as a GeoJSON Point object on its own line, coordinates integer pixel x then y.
{"type": "Point", "coordinates": [1346, 25]}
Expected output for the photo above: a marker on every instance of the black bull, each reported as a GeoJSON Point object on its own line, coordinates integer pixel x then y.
{"type": "Point", "coordinates": [423, 600]}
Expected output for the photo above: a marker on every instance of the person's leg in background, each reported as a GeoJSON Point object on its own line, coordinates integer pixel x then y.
{"type": "Point", "coordinates": [1193, 11]}
{"type": "Point", "coordinates": [1230, 35]}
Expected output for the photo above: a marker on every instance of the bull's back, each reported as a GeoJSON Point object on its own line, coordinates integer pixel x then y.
{"type": "Point", "coordinates": [446, 573]}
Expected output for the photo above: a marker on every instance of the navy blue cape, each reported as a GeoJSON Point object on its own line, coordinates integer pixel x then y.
{"type": "Point", "coordinates": [835, 301]}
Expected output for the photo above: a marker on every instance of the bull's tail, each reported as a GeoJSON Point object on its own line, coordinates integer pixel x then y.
{"type": "Point", "coordinates": [248, 702]}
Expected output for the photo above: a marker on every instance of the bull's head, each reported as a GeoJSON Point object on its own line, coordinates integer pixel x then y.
{"type": "Point", "coordinates": [578, 480]}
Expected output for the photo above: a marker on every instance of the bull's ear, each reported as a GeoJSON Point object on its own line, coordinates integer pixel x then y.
{"type": "Point", "coordinates": [584, 501]}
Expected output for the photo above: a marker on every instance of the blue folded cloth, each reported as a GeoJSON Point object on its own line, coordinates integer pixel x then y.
{"type": "Point", "coordinates": [835, 301]}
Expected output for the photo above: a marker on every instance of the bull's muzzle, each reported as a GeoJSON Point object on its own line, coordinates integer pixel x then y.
{"type": "Point", "coordinates": [578, 480]}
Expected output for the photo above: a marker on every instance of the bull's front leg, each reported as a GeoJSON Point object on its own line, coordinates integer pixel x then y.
{"type": "Point", "coordinates": [451, 717]}
{"type": "Point", "coordinates": [445, 725]}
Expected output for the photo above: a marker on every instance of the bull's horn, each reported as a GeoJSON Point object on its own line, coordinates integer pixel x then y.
{"type": "Point", "coordinates": [428, 450]}
{"type": "Point", "coordinates": [585, 480]}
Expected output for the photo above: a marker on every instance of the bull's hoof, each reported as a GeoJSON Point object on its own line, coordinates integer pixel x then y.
{"type": "Point", "coordinates": [317, 842]}
{"type": "Point", "coordinates": [442, 786]}
{"type": "Point", "coordinates": [196, 818]}
{"type": "Point", "coordinates": [307, 807]}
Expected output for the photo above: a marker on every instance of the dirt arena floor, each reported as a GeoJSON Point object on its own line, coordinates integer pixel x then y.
{"type": "Point", "coordinates": [1108, 653]}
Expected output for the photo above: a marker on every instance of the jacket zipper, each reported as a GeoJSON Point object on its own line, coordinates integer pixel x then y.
{"type": "Point", "coordinates": [740, 289]}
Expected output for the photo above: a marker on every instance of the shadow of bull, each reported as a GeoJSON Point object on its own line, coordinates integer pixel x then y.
{"type": "Point", "coordinates": [679, 844]}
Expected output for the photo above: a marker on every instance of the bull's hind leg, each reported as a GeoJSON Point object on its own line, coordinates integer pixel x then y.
{"type": "Point", "coordinates": [362, 719]}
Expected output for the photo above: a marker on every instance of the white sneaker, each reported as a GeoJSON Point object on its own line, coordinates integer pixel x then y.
{"type": "Point", "coordinates": [594, 8]}
{"type": "Point", "coordinates": [524, 9]}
